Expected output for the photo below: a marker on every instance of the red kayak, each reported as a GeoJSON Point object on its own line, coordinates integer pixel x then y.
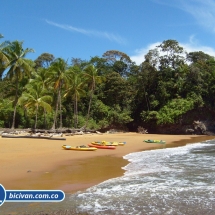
{"type": "Point", "coordinates": [101, 146]}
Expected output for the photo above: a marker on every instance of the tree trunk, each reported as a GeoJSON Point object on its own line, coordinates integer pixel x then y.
{"type": "Point", "coordinates": [76, 111]}
{"type": "Point", "coordinates": [91, 97]}
{"type": "Point", "coordinates": [15, 105]}
{"type": "Point", "coordinates": [74, 115]}
{"type": "Point", "coordinates": [89, 107]}
{"type": "Point", "coordinates": [61, 121]}
{"type": "Point", "coordinates": [35, 125]}
{"type": "Point", "coordinates": [45, 123]}
{"type": "Point", "coordinates": [56, 111]}
{"type": "Point", "coordinates": [14, 117]}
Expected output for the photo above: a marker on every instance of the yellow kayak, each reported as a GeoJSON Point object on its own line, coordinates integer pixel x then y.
{"type": "Point", "coordinates": [104, 143]}
{"type": "Point", "coordinates": [121, 143]}
{"type": "Point", "coordinates": [79, 148]}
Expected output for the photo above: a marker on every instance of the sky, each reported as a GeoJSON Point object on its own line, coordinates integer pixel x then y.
{"type": "Point", "coordinates": [88, 28]}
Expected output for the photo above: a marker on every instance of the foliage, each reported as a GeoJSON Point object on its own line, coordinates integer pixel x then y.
{"type": "Point", "coordinates": [44, 60]}
{"type": "Point", "coordinates": [6, 111]}
{"type": "Point", "coordinates": [105, 91]}
{"type": "Point", "coordinates": [119, 116]}
{"type": "Point", "coordinates": [35, 98]}
{"type": "Point", "coordinates": [171, 112]}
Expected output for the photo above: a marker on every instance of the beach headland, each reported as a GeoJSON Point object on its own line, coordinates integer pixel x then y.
{"type": "Point", "coordinates": [37, 164]}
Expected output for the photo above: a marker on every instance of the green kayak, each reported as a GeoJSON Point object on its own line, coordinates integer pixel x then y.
{"type": "Point", "coordinates": [154, 141]}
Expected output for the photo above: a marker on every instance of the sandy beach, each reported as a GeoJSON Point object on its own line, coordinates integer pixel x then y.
{"type": "Point", "coordinates": [44, 164]}
{"type": "Point", "coordinates": [34, 164]}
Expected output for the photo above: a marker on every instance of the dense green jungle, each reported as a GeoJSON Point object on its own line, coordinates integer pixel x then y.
{"type": "Point", "coordinates": [166, 93]}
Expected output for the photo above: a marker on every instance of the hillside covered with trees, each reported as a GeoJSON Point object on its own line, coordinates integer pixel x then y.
{"type": "Point", "coordinates": [169, 89]}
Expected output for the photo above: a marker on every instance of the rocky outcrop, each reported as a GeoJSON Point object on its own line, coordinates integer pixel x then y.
{"type": "Point", "coordinates": [196, 128]}
{"type": "Point", "coordinates": [199, 121]}
{"type": "Point", "coordinates": [199, 127]}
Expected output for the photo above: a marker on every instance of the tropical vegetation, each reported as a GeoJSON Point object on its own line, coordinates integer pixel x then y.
{"type": "Point", "coordinates": [103, 92]}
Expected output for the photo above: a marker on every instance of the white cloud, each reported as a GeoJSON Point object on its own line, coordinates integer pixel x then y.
{"type": "Point", "coordinates": [203, 11]}
{"type": "Point", "coordinates": [139, 57]}
{"type": "Point", "coordinates": [109, 36]}
{"type": "Point", "coordinates": [190, 46]}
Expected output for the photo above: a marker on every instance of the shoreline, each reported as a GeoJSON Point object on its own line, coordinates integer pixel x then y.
{"type": "Point", "coordinates": [44, 165]}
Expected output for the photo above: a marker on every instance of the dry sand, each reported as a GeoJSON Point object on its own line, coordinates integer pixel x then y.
{"type": "Point", "coordinates": [37, 164]}
{"type": "Point", "coordinates": [43, 164]}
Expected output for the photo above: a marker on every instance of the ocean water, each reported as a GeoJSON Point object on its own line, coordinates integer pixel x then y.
{"type": "Point", "coordinates": [171, 181]}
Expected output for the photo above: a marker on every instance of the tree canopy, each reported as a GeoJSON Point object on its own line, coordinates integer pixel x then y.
{"type": "Point", "coordinates": [105, 91]}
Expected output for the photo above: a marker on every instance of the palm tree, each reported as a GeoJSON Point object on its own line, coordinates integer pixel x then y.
{"type": "Point", "coordinates": [76, 90]}
{"type": "Point", "coordinates": [60, 74]}
{"type": "Point", "coordinates": [92, 78]}
{"type": "Point", "coordinates": [34, 97]}
{"type": "Point", "coordinates": [41, 75]}
{"type": "Point", "coordinates": [3, 58]}
{"type": "Point", "coordinates": [18, 67]}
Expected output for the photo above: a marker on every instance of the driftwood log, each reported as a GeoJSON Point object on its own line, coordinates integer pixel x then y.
{"type": "Point", "coordinates": [50, 131]}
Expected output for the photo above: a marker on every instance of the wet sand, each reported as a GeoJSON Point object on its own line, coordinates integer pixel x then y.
{"type": "Point", "coordinates": [36, 164]}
